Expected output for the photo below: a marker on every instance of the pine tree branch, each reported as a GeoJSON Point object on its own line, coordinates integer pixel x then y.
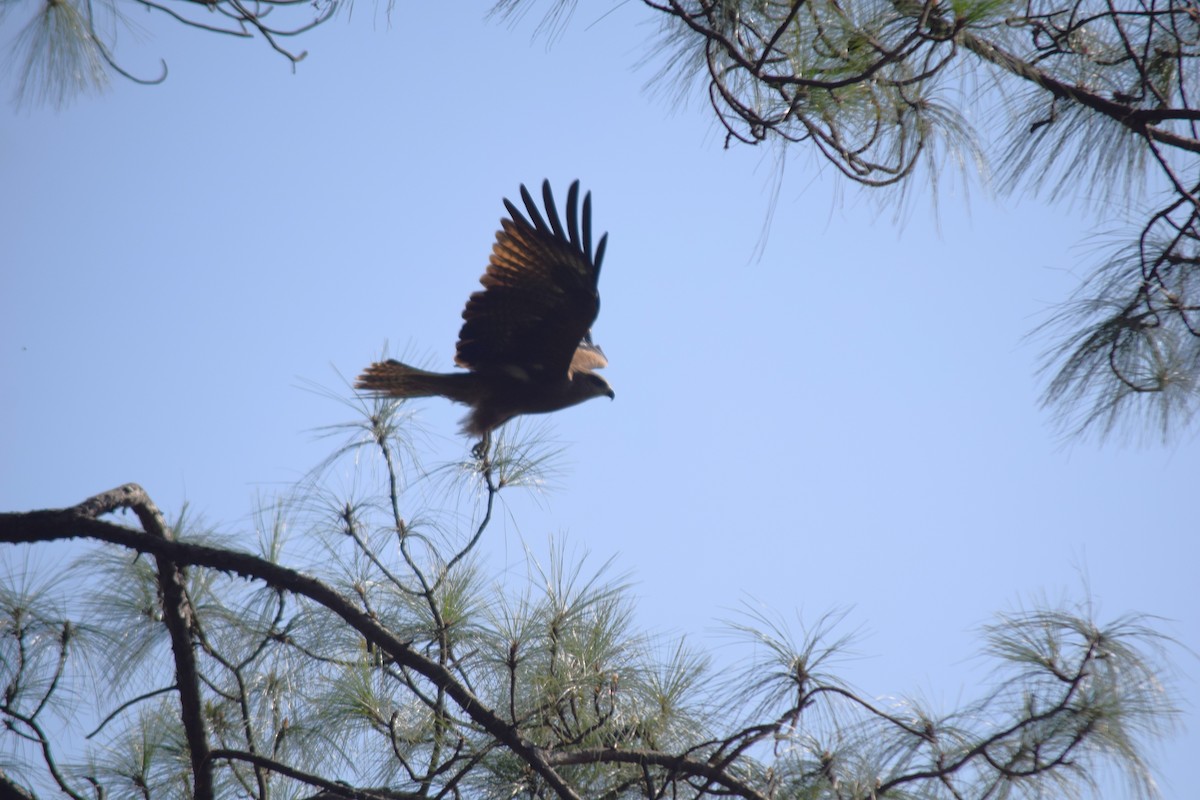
{"type": "Point", "coordinates": [646, 758]}
{"type": "Point", "coordinates": [80, 522]}
{"type": "Point", "coordinates": [1138, 120]}
{"type": "Point", "coordinates": [177, 617]}
{"type": "Point", "coordinates": [332, 789]}
{"type": "Point", "coordinates": [14, 791]}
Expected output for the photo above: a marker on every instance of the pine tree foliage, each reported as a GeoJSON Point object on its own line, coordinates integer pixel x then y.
{"type": "Point", "coordinates": [67, 47]}
{"type": "Point", "coordinates": [355, 644]}
{"type": "Point", "coordinates": [1100, 99]}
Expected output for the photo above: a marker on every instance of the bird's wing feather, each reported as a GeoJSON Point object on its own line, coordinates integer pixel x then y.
{"type": "Point", "coordinates": [588, 356]}
{"type": "Point", "coordinates": [539, 297]}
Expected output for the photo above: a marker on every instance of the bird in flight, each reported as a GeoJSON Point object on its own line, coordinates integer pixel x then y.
{"type": "Point", "coordinates": [526, 338]}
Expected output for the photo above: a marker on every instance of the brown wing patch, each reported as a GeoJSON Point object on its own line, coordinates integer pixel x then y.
{"type": "Point", "coordinates": [539, 297]}
{"type": "Point", "coordinates": [588, 357]}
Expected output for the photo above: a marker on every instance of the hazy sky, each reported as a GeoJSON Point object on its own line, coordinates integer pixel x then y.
{"type": "Point", "coordinates": [850, 421]}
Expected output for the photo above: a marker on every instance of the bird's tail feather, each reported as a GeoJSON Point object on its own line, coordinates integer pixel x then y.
{"type": "Point", "coordinates": [400, 380]}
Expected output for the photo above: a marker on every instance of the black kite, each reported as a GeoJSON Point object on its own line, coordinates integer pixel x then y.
{"type": "Point", "coordinates": [526, 338]}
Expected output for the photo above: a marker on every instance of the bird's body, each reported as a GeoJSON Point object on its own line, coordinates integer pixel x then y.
{"type": "Point", "coordinates": [494, 397]}
{"type": "Point", "coordinates": [525, 339]}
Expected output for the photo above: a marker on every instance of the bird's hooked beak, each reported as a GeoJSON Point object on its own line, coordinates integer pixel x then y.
{"type": "Point", "coordinates": [611, 394]}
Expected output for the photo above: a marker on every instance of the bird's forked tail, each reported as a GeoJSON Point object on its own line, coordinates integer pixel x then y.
{"type": "Point", "coordinates": [400, 380]}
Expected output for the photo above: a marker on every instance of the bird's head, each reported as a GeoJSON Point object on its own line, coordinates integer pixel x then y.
{"type": "Point", "coordinates": [592, 385]}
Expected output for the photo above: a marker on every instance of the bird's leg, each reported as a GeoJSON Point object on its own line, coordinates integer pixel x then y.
{"type": "Point", "coordinates": [480, 450]}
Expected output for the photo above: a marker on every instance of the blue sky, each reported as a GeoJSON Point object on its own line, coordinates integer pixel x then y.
{"type": "Point", "coordinates": [848, 422]}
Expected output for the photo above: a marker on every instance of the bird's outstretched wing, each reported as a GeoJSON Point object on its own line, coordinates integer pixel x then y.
{"type": "Point", "coordinates": [539, 297]}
